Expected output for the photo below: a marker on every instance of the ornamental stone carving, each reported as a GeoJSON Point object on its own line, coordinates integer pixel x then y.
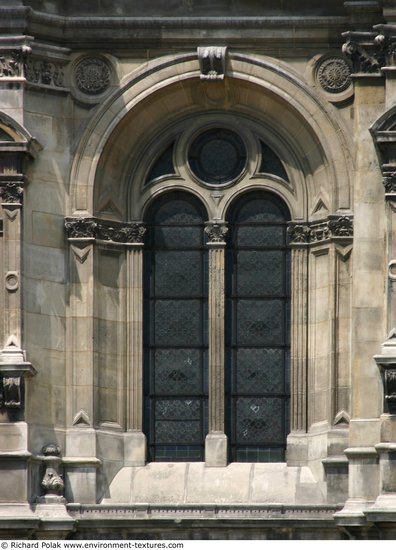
{"type": "Point", "coordinates": [130, 233]}
{"type": "Point", "coordinates": [334, 75]}
{"type": "Point", "coordinates": [52, 483]}
{"type": "Point", "coordinates": [11, 392]}
{"type": "Point", "coordinates": [92, 76]}
{"type": "Point", "coordinates": [116, 232]}
{"type": "Point", "coordinates": [212, 60]}
{"type": "Point", "coordinates": [389, 182]}
{"type": "Point", "coordinates": [298, 233]}
{"type": "Point", "coordinates": [44, 72]}
{"type": "Point", "coordinates": [341, 226]}
{"type": "Point", "coordinates": [309, 233]}
{"type": "Point", "coordinates": [80, 228]}
{"type": "Point", "coordinates": [11, 192]}
{"type": "Point", "coordinates": [365, 52]}
{"type": "Point", "coordinates": [216, 232]}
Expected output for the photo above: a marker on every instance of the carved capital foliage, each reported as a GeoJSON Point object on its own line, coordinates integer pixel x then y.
{"type": "Point", "coordinates": [80, 228]}
{"type": "Point", "coordinates": [11, 192]}
{"type": "Point", "coordinates": [299, 233]}
{"type": "Point", "coordinates": [212, 62]}
{"type": "Point", "coordinates": [365, 51]}
{"type": "Point", "coordinates": [216, 232]}
{"type": "Point", "coordinates": [314, 232]}
{"type": "Point", "coordinates": [52, 482]}
{"type": "Point", "coordinates": [115, 232]}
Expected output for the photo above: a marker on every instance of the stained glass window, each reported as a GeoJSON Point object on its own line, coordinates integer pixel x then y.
{"type": "Point", "coordinates": [257, 334]}
{"type": "Point", "coordinates": [175, 338]}
{"type": "Point", "coordinates": [217, 156]}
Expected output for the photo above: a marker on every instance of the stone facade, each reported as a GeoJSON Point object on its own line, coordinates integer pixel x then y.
{"type": "Point", "coordinates": [104, 113]}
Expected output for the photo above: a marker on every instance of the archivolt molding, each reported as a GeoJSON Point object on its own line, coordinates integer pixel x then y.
{"type": "Point", "coordinates": [315, 123]}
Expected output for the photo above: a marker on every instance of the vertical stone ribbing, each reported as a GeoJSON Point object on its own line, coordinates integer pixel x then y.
{"type": "Point", "coordinates": [135, 345]}
{"type": "Point", "coordinates": [299, 339]}
{"type": "Point", "coordinates": [216, 337]}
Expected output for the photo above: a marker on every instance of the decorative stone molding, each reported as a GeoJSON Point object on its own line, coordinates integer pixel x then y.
{"type": "Point", "coordinates": [81, 229]}
{"type": "Point", "coordinates": [12, 281]}
{"type": "Point", "coordinates": [92, 76]}
{"type": "Point", "coordinates": [216, 232]}
{"type": "Point", "coordinates": [332, 228]}
{"type": "Point", "coordinates": [52, 482]}
{"type": "Point", "coordinates": [12, 61]}
{"type": "Point", "coordinates": [11, 192]}
{"type": "Point", "coordinates": [334, 74]}
{"type": "Point", "coordinates": [44, 73]}
{"type": "Point", "coordinates": [212, 62]}
{"type": "Point", "coordinates": [365, 51]}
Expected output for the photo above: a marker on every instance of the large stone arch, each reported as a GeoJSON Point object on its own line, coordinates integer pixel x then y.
{"type": "Point", "coordinates": [163, 91]}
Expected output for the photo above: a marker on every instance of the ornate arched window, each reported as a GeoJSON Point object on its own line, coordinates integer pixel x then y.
{"type": "Point", "coordinates": [175, 329]}
{"type": "Point", "coordinates": [258, 329]}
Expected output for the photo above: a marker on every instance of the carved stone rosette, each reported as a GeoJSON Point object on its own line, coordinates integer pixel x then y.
{"type": "Point", "coordinates": [313, 232]}
{"type": "Point", "coordinates": [334, 75]}
{"type": "Point", "coordinates": [82, 229]}
{"type": "Point", "coordinates": [92, 76]}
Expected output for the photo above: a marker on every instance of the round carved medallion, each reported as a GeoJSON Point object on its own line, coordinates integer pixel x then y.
{"type": "Point", "coordinates": [92, 76]}
{"type": "Point", "coordinates": [334, 75]}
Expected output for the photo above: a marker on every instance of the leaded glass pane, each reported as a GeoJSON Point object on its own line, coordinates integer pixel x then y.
{"type": "Point", "coordinates": [178, 409]}
{"type": "Point", "coordinates": [259, 419]}
{"type": "Point", "coordinates": [178, 272]}
{"type": "Point", "coordinates": [260, 370]}
{"type": "Point", "coordinates": [178, 237]}
{"type": "Point", "coordinates": [177, 323]}
{"type": "Point", "coordinates": [187, 431]}
{"type": "Point", "coordinates": [175, 330]}
{"type": "Point", "coordinates": [260, 322]}
{"type": "Point", "coordinates": [259, 272]}
{"type": "Point", "coordinates": [217, 156]}
{"type": "Point", "coordinates": [260, 211]}
{"type": "Point", "coordinates": [163, 166]}
{"type": "Point", "coordinates": [258, 327]}
{"type": "Point", "coordinates": [179, 212]}
{"type": "Point", "coordinates": [270, 162]}
{"type": "Point", "coordinates": [260, 236]}
{"type": "Point", "coordinates": [177, 372]}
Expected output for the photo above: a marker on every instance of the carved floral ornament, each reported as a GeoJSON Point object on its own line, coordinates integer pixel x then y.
{"type": "Point", "coordinates": [82, 229]}
{"type": "Point", "coordinates": [216, 232]}
{"type": "Point", "coordinates": [11, 192]}
{"type": "Point", "coordinates": [92, 76]}
{"type": "Point", "coordinates": [333, 227]}
{"type": "Point", "coordinates": [334, 74]}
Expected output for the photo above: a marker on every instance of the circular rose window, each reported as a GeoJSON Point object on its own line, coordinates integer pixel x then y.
{"type": "Point", "coordinates": [217, 156]}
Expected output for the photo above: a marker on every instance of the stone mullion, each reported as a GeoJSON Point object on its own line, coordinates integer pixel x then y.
{"type": "Point", "coordinates": [135, 330]}
{"type": "Point", "coordinates": [216, 337]}
{"type": "Point", "coordinates": [299, 339]}
{"type": "Point", "coordinates": [216, 440]}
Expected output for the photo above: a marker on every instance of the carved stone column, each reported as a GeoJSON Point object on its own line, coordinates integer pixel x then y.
{"type": "Point", "coordinates": [80, 459]}
{"type": "Point", "coordinates": [216, 440]}
{"type": "Point", "coordinates": [297, 451]}
{"type": "Point", "coordinates": [135, 441]}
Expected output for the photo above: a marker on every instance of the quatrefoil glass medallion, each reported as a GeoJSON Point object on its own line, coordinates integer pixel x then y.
{"type": "Point", "coordinates": [217, 156]}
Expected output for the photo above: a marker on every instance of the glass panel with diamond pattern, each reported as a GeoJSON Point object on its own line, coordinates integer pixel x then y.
{"type": "Point", "coordinates": [258, 329]}
{"type": "Point", "coordinates": [175, 336]}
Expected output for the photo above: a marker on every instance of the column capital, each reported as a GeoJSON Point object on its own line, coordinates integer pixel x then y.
{"type": "Point", "coordinates": [216, 232]}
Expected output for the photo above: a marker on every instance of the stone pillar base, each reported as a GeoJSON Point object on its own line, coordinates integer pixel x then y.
{"type": "Point", "coordinates": [135, 448]}
{"type": "Point", "coordinates": [216, 450]}
{"type": "Point", "coordinates": [80, 479]}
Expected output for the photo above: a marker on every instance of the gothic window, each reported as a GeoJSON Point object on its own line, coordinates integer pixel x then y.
{"type": "Point", "coordinates": [175, 337]}
{"type": "Point", "coordinates": [258, 329]}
